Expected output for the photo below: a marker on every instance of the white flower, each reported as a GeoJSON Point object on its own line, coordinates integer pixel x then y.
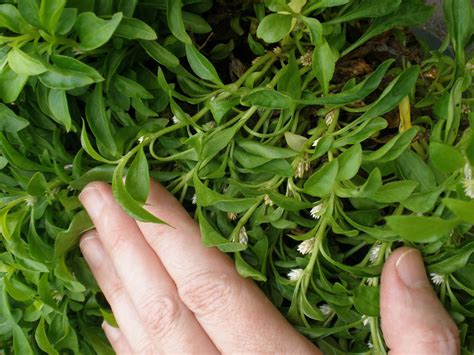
{"type": "Point", "coordinates": [194, 199]}
{"type": "Point", "coordinates": [437, 279]}
{"type": "Point", "coordinates": [295, 274]}
{"type": "Point", "coordinates": [468, 183]}
{"type": "Point", "coordinates": [365, 320]}
{"type": "Point", "coordinates": [175, 120]}
{"type": "Point", "coordinates": [316, 142]}
{"type": "Point", "coordinates": [267, 200]}
{"type": "Point", "coordinates": [232, 216]}
{"type": "Point", "coordinates": [277, 51]}
{"type": "Point", "coordinates": [372, 281]}
{"type": "Point", "coordinates": [141, 139]}
{"type": "Point", "coordinates": [374, 252]}
{"type": "Point", "coordinates": [318, 210]}
{"type": "Point", "coordinates": [303, 166]}
{"type": "Point", "coordinates": [370, 345]}
{"type": "Point", "coordinates": [68, 167]}
{"type": "Point", "coordinates": [243, 236]}
{"type": "Point", "coordinates": [306, 59]}
{"type": "Point", "coordinates": [30, 201]}
{"type": "Point", "coordinates": [329, 119]}
{"type": "Point", "coordinates": [306, 246]}
{"type": "Point", "coordinates": [325, 309]}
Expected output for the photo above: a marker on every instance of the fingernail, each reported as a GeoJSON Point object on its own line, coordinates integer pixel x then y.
{"type": "Point", "coordinates": [411, 270]}
{"type": "Point", "coordinates": [113, 334]}
{"type": "Point", "coordinates": [92, 201]}
{"type": "Point", "coordinates": [92, 250]}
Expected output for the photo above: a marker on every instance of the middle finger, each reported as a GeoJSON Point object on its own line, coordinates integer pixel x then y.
{"type": "Point", "coordinates": [169, 323]}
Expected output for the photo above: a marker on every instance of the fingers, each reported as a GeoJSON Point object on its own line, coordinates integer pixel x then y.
{"type": "Point", "coordinates": [413, 319]}
{"type": "Point", "coordinates": [117, 340]}
{"type": "Point", "coordinates": [167, 321]}
{"type": "Point", "coordinates": [210, 287]}
{"type": "Point", "coordinates": [123, 308]}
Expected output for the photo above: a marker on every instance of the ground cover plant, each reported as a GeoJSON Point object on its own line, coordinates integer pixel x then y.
{"type": "Point", "coordinates": [309, 138]}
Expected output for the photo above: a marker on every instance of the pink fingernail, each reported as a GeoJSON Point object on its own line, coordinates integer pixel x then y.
{"type": "Point", "coordinates": [92, 250]}
{"type": "Point", "coordinates": [411, 270]}
{"type": "Point", "coordinates": [92, 201]}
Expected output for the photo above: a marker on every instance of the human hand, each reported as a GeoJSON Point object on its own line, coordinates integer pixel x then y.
{"type": "Point", "coordinates": [170, 294]}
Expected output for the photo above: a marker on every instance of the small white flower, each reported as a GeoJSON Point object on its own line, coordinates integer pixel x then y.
{"type": "Point", "coordinates": [243, 236]}
{"type": "Point", "coordinates": [278, 51]}
{"type": "Point", "coordinates": [325, 309]}
{"type": "Point", "coordinates": [210, 125]}
{"type": "Point", "coordinates": [232, 216]}
{"type": "Point", "coordinates": [175, 120]}
{"type": "Point", "coordinates": [470, 66]}
{"type": "Point", "coordinates": [303, 166]}
{"type": "Point", "coordinates": [318, 210]}
{"type": "Point", "coordinates": [437, 279]}
{"type": "Point", "coordinates": [316, 142]}
{"type": "Point", "coordinates": [468, 182]}
{"type": "Point", "coordinates": [306, 246]}
{"type": "Point", "coordinates": [306, 59]}
{"type": "Point", "coordinates": [365, 320]}
{"type": "Point", "coordinates": [267, 200]}
{"type": "Point", "coordinates": [141, 139]}
{"type": "Point", "coordinates": [329, 119]}
{"type": "Point", "coordinates": [68, 167]}
{"type": "Point", "coordinates": [57, 296]}
{"type": "Point", "coordinates": [370, 345]}
{"type": "Point", "coordinates": [295, 274]}
{"type": "Point", "coordinates": [372, 281]}
{"type": "Point", "coordinates": [465, 109]}
{"type": "Point", "coordinates": [194, 199]}
{"type": "Point", "coordinates": [374, 252]}
{"type": "Point", "coordinates": [30, 201]}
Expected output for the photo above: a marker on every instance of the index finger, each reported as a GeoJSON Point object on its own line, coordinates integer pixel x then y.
{"type": "Point", "coordinates": [211, 288]}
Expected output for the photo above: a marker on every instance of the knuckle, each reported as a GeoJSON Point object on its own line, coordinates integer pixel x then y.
{"type": "Point", "coordinates": [115, 293]}
{"type": "Point", "coordinates": [160, 314]}
{"type": "Point", "coordinates": [442, 338]}
{"type": "Point", "coordinates": [208, 293]}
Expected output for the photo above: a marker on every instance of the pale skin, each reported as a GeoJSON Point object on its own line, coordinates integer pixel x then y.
{"type": "Point", "coordinates": [171, 294]}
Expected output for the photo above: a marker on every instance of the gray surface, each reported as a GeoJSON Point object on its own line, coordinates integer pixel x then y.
{"type": "Point", "coordinates": [436, 24]}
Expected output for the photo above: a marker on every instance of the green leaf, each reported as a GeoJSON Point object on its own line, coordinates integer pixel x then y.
{"type": "Point", "coordinates": [399, 88]}
{"type": "Point", "coordinates": [138, 178]}
{"type": "Point", "coordinates": [462, 209]}
{"type": "Point", "coordinates": [58, 104]}
{"type": "Point", "coordinates": [274, 27]}
{"type": "Point", "coordinates": [11, 19]}
{"type": "Point", "coordinates": [349, 163]}
{"type": "Point", "coordinates": [367, 8]}
{"type": "Point", "coordinates": [366, 300]}
{"type": "Point", "coordinates": [128, 203]}
{"type": "Point", "coordinates": [246, 270]}
{"type": "Point", "coordinates": [212, 238]}
{"type": "Point", "coordinates": [459, 18]}
{"type": "Point", "coordinates": [160, 54]}
{"type": "Point", "coordinates": [397, 191]}
{"type": "Point", "coordinates": [99, 121]}
{"type": "Point", "coordinates": [29, 9]}
{"type": "Point", "coordinates": [95, 32]}
{"type": "Point", "coordinates": [68, 73]}
{"type": "Point", "coordinates": [22, 63]}
{"type": "Point", "coordinates": [201, 65]}
{"type": "Point", "coordinates": [324, 65]}
{"type": "Point", "coordinates": [18, 159]}
{"type": "Point", "coordinates": [420, 229]}
{"type": "Point", "coordinates": [176, 22]}
{"type": "Point", "coordinates": [454, 262]}
{"type": "Point", "coordinates": [21, 345]}
{"type": "Point", "coordinates": [49, 14]}
{"type": "Point", "coordinates": [267, 98]}
{"type": "Point", "coordinates": [37, 186]}
{"type": "Point", "coordinates": [445, 158]}
{"type": "Point", "coordinates": [66, 240]}
{"type": "Point", "coordinates": [206, 197]}
{"type": "Point", "coordinates": [132, 28]}
{"type": "Point", "coordinates": [322, 182]}
{"type": "Point", "coordinates": [393, 149]}
{"type": "Point", "coordinates": [265, 151]}
{"type": "Point", "coordinates": [10, 121]}
{"type": "Point", "coordinates": [42, 340]}
{"type": "Point", "coordinates": [11, 85]}
{"type": "Point", "coordinates": [412, 167]}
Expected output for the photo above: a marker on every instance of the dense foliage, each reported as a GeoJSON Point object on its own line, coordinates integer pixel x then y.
{"type": "Point", "coordinates": [308, 137]}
